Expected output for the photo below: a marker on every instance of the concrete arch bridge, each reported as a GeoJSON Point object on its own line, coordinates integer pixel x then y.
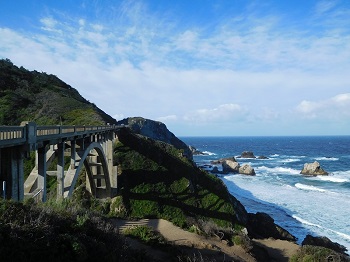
{"type": "Point", "coordinates": [88, 147]}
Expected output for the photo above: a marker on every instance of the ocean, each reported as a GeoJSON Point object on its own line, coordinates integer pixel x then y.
{"type": "Point", "coordinates": [319, 206]}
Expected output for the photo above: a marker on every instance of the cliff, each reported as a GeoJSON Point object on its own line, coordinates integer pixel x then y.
{"type": "Point", "coordinates": [156, 130]}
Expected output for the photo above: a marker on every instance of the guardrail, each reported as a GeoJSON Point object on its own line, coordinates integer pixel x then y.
{"type": "Point", "coordinates": [12, 135]}
{"type": "Point", "coordinates": [16, 135]}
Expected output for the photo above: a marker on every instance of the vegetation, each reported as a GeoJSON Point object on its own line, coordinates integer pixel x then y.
{"type": "Point", "coordinates": [59, 231]}
{"type": "Point", "coordinates": [156, 181]}
{"type": "Point", "coordinates": [315, 253]}
{"type": "Point", "coordinates": [44, 99]}
{"type": "Point", "coordinates": [146, 234]}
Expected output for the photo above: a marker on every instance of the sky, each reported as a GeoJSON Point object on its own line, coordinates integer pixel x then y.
{"type": "Point", "coordinates": [202, 67]}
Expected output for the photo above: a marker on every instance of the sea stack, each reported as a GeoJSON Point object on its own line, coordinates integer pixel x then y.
{"type": "Point", "coordinates": [313, 169]}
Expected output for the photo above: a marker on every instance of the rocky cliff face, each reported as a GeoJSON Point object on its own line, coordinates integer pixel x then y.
{"type": "Point", "coordinates": [155, 130]}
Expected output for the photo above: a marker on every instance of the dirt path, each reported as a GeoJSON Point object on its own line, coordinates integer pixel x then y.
{"type": "Point", "coordinates": [212, 248]}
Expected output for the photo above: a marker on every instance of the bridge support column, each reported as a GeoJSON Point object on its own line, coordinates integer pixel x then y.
{"type": "Point", "coordinates": [12, 172]}
{"type": "Point", "coordinates": [42, 171]}
{"type": "Point", "coordinates": [111, 169]}
{"type": "Point", "coordinates": [60, 170]}
{"type": "Point", "coordinates": [73, 154]}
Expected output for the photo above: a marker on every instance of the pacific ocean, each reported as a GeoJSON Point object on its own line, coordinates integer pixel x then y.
{"type": "Point", "coordinates": [319, 205]}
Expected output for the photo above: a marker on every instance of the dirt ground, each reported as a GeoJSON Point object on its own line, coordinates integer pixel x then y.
{"type": "Point", "coordinates": [199, 246]}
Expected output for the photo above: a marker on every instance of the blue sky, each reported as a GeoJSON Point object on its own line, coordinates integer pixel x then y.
{"type": "Point", "coordinates": [218, 67]}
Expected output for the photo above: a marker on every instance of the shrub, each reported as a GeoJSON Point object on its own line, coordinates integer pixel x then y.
{"type": "Point", "coordinates": [146, 234]}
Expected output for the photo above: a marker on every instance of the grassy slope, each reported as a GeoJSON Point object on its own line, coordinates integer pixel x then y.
{"type": "Point", "coordinates": [157, 181]}
{"type": "Point", "coordinates": [42, 98]}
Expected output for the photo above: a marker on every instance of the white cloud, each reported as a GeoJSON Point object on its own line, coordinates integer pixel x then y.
{"type": "Point", "coordinates": [169, 118]}
{"type": "Point", "coordinates": [244, 69]}
{"type": "Point", "coordinates": [222, 113]}
{"type": "Point", "coordinates": [336, 108]}
{"type": "Point", "coordinates": [324, 6]}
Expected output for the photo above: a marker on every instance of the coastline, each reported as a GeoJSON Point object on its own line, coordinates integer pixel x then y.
{"type": "Point", "coordinates": [304, 204]}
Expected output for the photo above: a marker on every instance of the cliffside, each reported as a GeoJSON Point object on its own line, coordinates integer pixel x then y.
{"type": "Point", "coordinates": [156, 130]}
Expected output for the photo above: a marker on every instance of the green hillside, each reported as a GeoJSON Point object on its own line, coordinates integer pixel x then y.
{"type": "Point", "coordinates": [43, 98]}
{"type": "Point", "coordinates": [158, 181]}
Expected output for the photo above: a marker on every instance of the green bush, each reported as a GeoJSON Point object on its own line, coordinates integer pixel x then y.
{"type": "Point", "coordinates": [146, 234]}
{"type": "Point", "coordinates": [316, 253]}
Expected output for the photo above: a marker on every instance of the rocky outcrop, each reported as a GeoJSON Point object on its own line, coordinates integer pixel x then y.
{"type": "Point", "coordinates": [247, 154]}
{"type": "Point", "coordinates": [324, 242]}
{"type": "Point", "coordinates": [313, 169]}
{"type": "Point", "coordinates": [230, 166]}
{"type": "Point", "coordinates": [155, 130]}
{"type": "Point", "coordinates": [195, 151]}
{"type": "Point", "coordinates": [246, 170]}
{"type": "Point", "coordinates": [261, 225]}
{"type": "Point", "coordinates": [221, 160]}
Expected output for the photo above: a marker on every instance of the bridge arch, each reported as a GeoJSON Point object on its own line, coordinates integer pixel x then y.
{"type": "Point", "coordinates": [97, 189]}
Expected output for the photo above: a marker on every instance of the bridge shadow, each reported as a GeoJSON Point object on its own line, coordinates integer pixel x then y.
{"type": "Point", "coordinates": [178, 185]}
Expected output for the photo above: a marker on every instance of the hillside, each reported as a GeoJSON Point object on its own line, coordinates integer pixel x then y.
{"type": "Point", "coordinates": [43, 98]}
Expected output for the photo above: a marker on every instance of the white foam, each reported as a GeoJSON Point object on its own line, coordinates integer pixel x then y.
{"type": "Point", "coordinates": [289, 160]}
{"type": "Point", "coordinates": [278, 170]}
{"type": "Point", "coordinates": [331, 179]}
{"type": "Point", "coordinates": [326, 158]}
{"type": "Point", "coordinates": [309, 188]}
{"type": "Point", "coordinates": [305, 222]}
{"type": "Point", "coordinates": [209, 153]}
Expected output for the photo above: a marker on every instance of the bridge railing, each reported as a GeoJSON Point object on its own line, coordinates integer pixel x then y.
{"type": "Point", "coordinates": [10, 135]}
{"type": "Point", "coordinates": [13, 135]}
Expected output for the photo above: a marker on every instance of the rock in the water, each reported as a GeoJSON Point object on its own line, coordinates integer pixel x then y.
{"type": "Point", "coordinates": [230, 166]}
{"type": "Point", "coordinates": [263, 157]}
{"type": "Point", "coordinates": [195, 151]}
{"type": "Point", "coordinates": [247, 154]}
{"type": "Point", "coordinates": [324, 242]}
{"type": "Point", "coordinates": [261, 225]}
{"type": "Point", "coordinates": [215, 170]}
{"type": "Point", "coordinates": [313, 169]}
{"type": "Point", "coordinates": [246, 170]}
{"type": "Point", "coordinates": [219, 161]}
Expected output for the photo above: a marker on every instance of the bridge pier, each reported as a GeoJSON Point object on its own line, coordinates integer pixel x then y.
{"type": "Point", "coordinates": [11, 169]}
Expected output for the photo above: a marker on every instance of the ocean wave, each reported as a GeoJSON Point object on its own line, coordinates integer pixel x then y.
{"type": "Point", "coordinates": [331, 179]}
{"type": "Point", "coordinates": [305, 222]}
{"type": "Point", "coordinates": [309, 188]}
{"type": "Point", "coordinates": [278, 170]}
{"type": "Point", "coordinates": [326, 158]}
{"type": "Point", "coordinates": [209, 153]}
{"type": "Point", "coordinates": [289, 160]}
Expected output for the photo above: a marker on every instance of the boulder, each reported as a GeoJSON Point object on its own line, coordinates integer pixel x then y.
{"type": "Point", "coordinates": [247, 154]}
{"type": "Point", "coordinates": [323, 242]}
{"type": "Point", "coordinates": [246, 170]}
{"type": "Point", "coordinates": [215, 170]}
{"type": "Point", "coordinates": [313, 169]}
{"type": "Point", "coordinates": [230, 166]}
{"type": "Point", "coordinates": [219, 161]}
{"type": "Point", "coordinates": [261, 225]}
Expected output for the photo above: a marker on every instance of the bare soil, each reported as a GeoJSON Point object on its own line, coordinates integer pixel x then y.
{"type": "Point", "coordinates": [197, 246]}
